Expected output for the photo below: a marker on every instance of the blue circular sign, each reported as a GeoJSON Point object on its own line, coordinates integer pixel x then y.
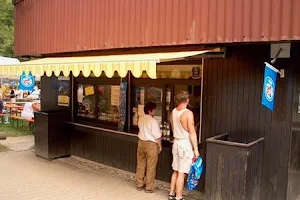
{"type": "Point", "coordinates": [269, 88]}
{"type": "Point", "coordinates": [26, 82]}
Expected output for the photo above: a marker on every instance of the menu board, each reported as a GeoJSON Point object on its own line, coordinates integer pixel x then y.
{"type": "Point", "coordinates": [115, 95]}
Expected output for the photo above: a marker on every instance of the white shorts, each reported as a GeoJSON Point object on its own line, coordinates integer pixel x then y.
{"type": "Point", "coordinates": [182, 155]}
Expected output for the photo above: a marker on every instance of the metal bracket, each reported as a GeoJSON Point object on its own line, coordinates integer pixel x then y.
{"type": "Point", "coordinates": [276, 56]}
{"type": "Point", "coordinates": [281, 71]}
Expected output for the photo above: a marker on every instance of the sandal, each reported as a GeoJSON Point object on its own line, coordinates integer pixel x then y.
{"type": "Point", "coordinates": [172, 197]}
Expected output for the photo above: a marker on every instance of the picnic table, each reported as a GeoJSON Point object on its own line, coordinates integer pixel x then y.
{"type": "Point", "coordinates": [12, 107]}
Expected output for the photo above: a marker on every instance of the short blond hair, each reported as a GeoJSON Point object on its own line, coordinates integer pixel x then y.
{"type": "Point", "coordinates": [29, 98]}
{"type": "Point", "coordinates": [181, 97]}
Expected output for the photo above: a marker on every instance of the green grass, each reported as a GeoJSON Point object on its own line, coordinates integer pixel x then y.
{"type": "Point", "coordinates": [15, 131]}
{"type": "Point", "coordinates": [3, 148]}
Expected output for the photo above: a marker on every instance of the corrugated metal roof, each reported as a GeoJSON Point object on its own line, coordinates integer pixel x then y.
{"type": "Point", "coordinates": [51, 26]}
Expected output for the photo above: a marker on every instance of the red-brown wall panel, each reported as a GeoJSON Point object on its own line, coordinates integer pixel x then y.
{"type": "Point", "coordinates": [53, 26]}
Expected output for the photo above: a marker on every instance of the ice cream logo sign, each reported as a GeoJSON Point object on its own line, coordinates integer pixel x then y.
{"type": "Point", "coordinates": [269, 89]}
{"type": "Point", "coordinates": [27, 82]}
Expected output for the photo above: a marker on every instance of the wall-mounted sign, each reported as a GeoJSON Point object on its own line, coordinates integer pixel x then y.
{"type": "Point", "coordinates": [89, 90]}
{"type": "Point", "coordinates": [196, 73]}
{"type": "Point", "coordinates": [26, 82]}
{"type": "Point", "coordinates": [63, 91]}
{"type": "Point", "coordinates": [268, 95]}
{"type": "Point", "coordinates": [284, 50]}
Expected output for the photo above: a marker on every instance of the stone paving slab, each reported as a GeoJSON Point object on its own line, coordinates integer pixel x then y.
{"type": "Point", "coordinates": [23, 176]}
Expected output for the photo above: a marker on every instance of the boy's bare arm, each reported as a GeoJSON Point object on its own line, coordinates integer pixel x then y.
{"type": "Point", "coordinates": [192, 132]}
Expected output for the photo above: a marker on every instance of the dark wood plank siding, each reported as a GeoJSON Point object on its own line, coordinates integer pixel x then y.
{"type": "Point", "coordinates": [104, 147]}
{"type": "Point", "coordinates": [115, 150]}
{"type": "Point", "coordinates": [232, 104]}
{"type": "Point", "coordinates": [294, 162]}
{"type": "Point", "coordinates": [51, 136]}
{"type": "Point", "coordinates": [49, 94]}
{"type": "Point", "coordinates": [233, 172]}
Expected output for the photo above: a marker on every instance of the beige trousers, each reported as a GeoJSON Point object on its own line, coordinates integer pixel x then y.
{"type": "Point", "coordinates": [147, 157]}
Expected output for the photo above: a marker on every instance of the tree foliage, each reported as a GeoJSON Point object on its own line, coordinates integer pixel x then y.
{"type": "Point", "coordinates": [6, 28]}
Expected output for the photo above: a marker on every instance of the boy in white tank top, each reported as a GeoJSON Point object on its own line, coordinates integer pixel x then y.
{"type": "Point", "coordinates": [185, 146]}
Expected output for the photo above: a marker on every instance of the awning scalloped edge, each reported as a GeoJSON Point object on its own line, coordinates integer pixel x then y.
{"type": "Point", "coordinates": [135, 63]}
{"type": "Point", "coordinates": [122, 68]}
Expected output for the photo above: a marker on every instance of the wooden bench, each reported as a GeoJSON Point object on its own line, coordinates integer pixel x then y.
{"type": "Point", "coordinates": [14, 118]}
{"type": "Point", "coordinates": [18, 118]}
{"type": "Point", "coordinates": [2, 117]}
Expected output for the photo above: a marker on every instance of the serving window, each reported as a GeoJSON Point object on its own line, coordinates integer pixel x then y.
{"type": "Point", "coordinates": [99, 102]}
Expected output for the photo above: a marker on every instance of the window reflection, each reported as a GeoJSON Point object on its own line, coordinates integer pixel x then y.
{"type": "Point", "coordinates": [86, 101]}
{"type": "Point", "coordinates": [144, 95]}
{"type": "Point", "coordinates": [108, 103]}
{"type": "Point", "coordinates": [98, 102]}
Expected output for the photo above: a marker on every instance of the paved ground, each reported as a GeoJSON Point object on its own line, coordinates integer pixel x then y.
{"type": "Point", "coordinates": [23, 176]}
{"type": "Point", "coordinates": [19, 143]}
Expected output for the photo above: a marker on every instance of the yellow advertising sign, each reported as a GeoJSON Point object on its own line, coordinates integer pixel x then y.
{"type": "Point", "coordinates": [89, 90]}
{"type": "Point", "coordinates": [63, 100]}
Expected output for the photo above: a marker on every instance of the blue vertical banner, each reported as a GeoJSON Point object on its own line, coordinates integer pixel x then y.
{"type": "Point", "coordinates": [269, 87]}
{"type": "Point", "coordinates": [26, 82]}
{"type": "Point", "coordinates": [122, 106]}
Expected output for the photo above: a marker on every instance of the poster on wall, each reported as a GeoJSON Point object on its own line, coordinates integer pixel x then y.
{"type": "Point", "coordinates": [63, 91]}
{"type": "Point", "coordinates": [115, 95]}
{"type": "Point", "coordinates": [89, 90]}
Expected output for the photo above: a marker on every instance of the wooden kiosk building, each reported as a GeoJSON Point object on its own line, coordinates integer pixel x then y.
{"type": "Point", "coordinates": [101, 60]}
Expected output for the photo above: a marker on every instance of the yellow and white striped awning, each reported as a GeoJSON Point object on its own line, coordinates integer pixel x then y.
{"type": "Point", "coordinates": [136, 63]}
